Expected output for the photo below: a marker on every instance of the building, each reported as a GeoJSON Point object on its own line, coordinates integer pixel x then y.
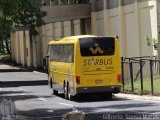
{"type": "Point", "coordinates": [131, 20]}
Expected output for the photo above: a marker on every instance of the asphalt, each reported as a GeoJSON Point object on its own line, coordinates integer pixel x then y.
{"type": "Point", "coordinates": [9, 68]}
{"type": "Point", "coordinates": [15, 83]}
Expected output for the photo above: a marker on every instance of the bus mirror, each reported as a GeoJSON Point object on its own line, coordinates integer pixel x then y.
{"type": "Point", "coordinates": [45, 61]}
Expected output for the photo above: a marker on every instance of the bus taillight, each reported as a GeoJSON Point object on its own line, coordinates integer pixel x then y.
{"type": "Point", "coordinates": [78, 79]}
{"type": "Point", "coordinates": [119, 76]}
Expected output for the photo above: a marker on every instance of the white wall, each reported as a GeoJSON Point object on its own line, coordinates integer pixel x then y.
{"type": "Point", "coordinates": [131, 33]}
{"type": "Point", "coordinates": [148, 26]}
{"type": "Point", "coordinates": [132, 23]}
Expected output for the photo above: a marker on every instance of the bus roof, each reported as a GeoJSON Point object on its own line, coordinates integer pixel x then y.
{"type": "Point", "coordinates": [72, 38]}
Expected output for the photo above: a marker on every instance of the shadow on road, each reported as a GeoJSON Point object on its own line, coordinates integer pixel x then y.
{"type": "Point", "coordinates": [23, 83]}
{"type": "Point", "coordinates": [93, 98]}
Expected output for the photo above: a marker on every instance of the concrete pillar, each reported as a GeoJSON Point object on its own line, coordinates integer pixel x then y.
{"type": "Point", "coordinates": [138, 26]}
{"type": "Point", "coordinates": [77, 29]}
{"type": "Point", "coordinates": [22, 47]}
{"type": "Point", "coordinates": [93, 23]}
{"type": "Point", "coordinates": [28, 50]}
{"type": "Point", "coordinates": [17, 47]}
{"type": "Point", "coordinates": [122, 27]}
{"type": "Point", "coordinates": [88, 26]}
{"type": "Point", "coordinates": [49, 31]}
{"type": "Point", "coordinates": [107, 24]}
{"type": "Point", "coordinates": [58, 28]}
{"type": "Point", "coordinates": [67, 28]}
{"type": "Point", "coordinates": [34, 52]}
{"type": "Point", "coordinates": [43, 41]}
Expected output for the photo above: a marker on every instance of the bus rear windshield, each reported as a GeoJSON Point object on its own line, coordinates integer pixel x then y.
{"type": "Point", "coordinates": [100, 46]}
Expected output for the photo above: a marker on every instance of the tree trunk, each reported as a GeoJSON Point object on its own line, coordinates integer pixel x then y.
{"type": "Point", "coordinates": [1, 44]}
{"type": "Point", "coordinates": [7, 46]}
{"type": "Point", "coordinates": [2, 47]}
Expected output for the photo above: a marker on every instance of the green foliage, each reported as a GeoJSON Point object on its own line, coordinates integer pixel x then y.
{"type": "Point", "coordinates": [152, 42]}
{"type": "Point", "coordinates": [29, 14]}
{"type": "Point", "coordinates": [146, 85]}
{"type": "Point", "coordinates": [16, 13]}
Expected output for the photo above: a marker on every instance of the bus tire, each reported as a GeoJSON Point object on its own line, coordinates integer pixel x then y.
{"type": "Point", "coordinates": [70, 97]}
{"type": "Point", "coordinates": [51, 84]}
{"type": "Point", "coordinates": [65, 90]}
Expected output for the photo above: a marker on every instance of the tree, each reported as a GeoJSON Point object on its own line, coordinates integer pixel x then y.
{"type": "Point", "coordinates": [16, 13]}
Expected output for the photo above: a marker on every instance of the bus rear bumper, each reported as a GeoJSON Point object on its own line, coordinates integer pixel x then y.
{"type": "Point", "coordinates": [109, 89]}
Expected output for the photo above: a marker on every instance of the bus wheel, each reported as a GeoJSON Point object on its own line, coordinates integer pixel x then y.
{"type": "Point", "coordinates": [51, 84]}
{"type": "Point", "coordinates": [65, 91]}
{"type": "Point", "coordinates": [70, 97]}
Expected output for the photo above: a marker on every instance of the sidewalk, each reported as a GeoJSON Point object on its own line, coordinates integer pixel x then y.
{"type": "Point", "coordinates": [138, 97]}
{"type": "Point", "coordinates": [10, 68]}
{"type": "Point", "coordinates": [13, 76]}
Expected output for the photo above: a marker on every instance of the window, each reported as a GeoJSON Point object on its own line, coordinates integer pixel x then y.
{"type": "Point", "coordinates": [99, 46]}
{"type": "Point", "coordinates": [62, 53]}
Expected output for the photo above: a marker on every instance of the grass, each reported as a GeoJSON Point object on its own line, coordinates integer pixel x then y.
{"type": "Point", "coordinates": [146, 85]}
{"type": "Point", "coordinates": [4, 57]}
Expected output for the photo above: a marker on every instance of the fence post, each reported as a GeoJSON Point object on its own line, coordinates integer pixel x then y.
{"type": "Point", "coordinates": [141, 75]}
{"type": "Point", "coordinates": [151, 73]}
{"type": "Point", "coordinates": [122, 67]}
{"type": "Point", "coordinates": [131, 75]}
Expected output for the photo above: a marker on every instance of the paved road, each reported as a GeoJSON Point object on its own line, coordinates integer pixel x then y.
{"type": "Point", "coordinates": [14, 79]}
{"type": "Point", "coordinates": [39, 103]}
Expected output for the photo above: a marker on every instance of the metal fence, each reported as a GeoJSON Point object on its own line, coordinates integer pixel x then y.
{"type": "Point", "coordinates": [141, 75]}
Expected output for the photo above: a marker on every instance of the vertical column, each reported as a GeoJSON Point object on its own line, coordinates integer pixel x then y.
{"type": "Point", "coordinates": [17, 48]}
{"type": "Point", "coordinates": [107, 24]}
{"type": "Point", "coordinates": [58, 30]}
{"type": "Point", "coordinates": [138, 26]}
{"type": "Point", "coordinates": [77, 29]}
{"type": "Point", "coordinates": [21, 42]}
{"type": "Point", "coordinates": [24, 49]}
{"type": "Point", "coordinates": [28, 49]}
{"type": "Point", "coordinates": [93, 17]}
{"type": "Point", "coordinates": [94, 22]}
{"type": "Point", "coordinates": [34, 52]}
{"type": "Point", "coordinates": [122, 30]}
{"type": "Point", "coordinates": [158, 27]}
{"type": "Point", "coordinates": [44, 39]}
{"type": "Point", "coordinates": [67, 28]}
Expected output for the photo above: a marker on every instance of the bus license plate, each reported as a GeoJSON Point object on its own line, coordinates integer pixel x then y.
{"type": "Point", "coordinates": [98, 81]}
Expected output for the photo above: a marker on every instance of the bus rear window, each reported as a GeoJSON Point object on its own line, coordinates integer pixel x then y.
{"type": "Point", "coordinates": [99, 46]}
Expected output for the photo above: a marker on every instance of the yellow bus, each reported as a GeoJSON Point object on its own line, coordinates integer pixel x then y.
{"type": "Point", "coordinates": [84, 64]}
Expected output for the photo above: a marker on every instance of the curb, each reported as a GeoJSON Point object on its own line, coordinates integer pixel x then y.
{"type": "Point", "coordinates": [22, 83]}
{"type": "Point", "coordinates": [138, 97]}
{"type": "Point", "coordinates": [15, 70]}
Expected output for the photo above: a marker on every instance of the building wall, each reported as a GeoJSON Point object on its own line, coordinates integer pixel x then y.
{"type": "Point", "coordinates": [130, 20]}
{"type": "Point", "coordinates": [66, 12]}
